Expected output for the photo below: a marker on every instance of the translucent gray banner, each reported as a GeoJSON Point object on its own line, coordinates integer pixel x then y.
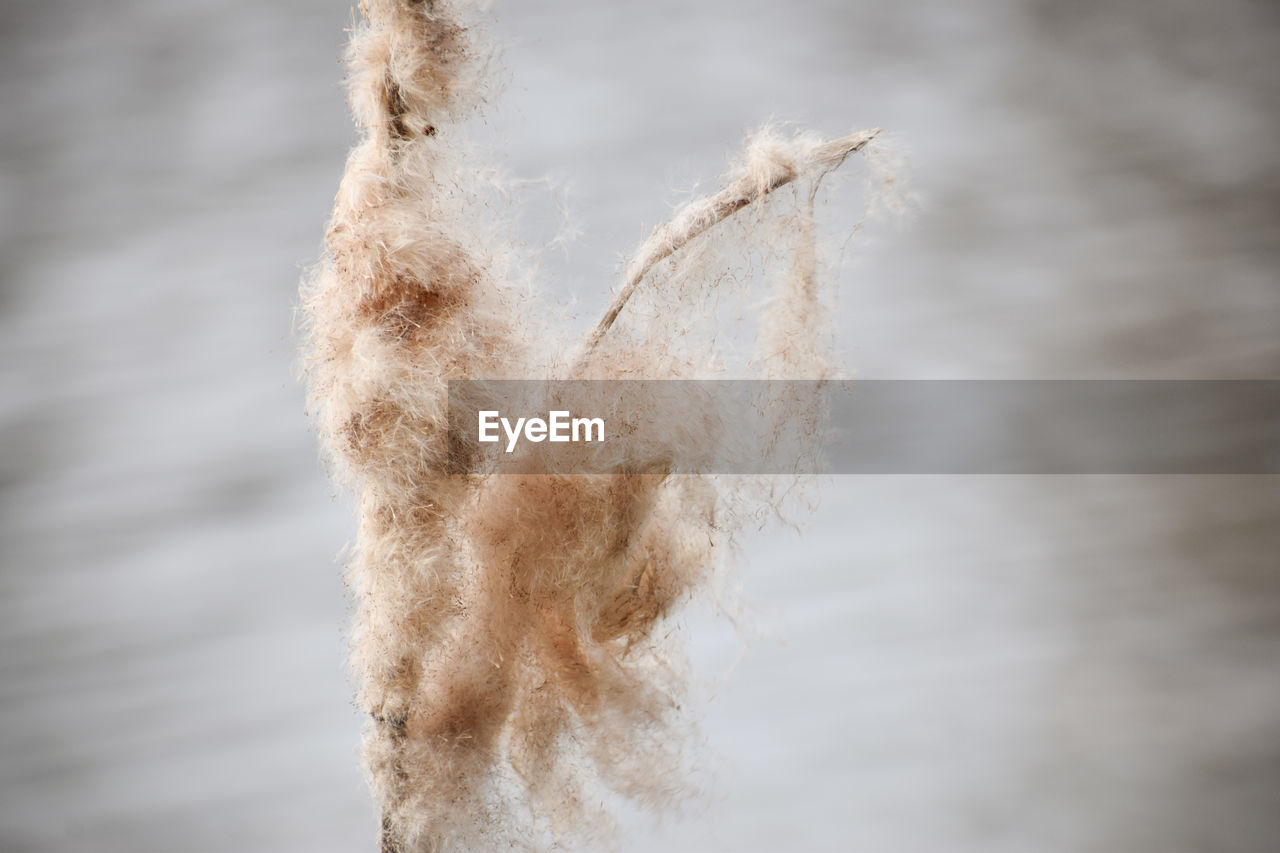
{"type": "Point", "coordinates": [866, 427]}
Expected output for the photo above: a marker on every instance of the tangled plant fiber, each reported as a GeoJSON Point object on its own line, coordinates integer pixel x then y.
{"type": "Point", "coordinates": [507, 640]}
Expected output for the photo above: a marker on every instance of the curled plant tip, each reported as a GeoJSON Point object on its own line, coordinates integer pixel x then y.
{"type": "Point", "coordinates": [508, 641]}
{"type": "Point", "coordinates": [772, 165]}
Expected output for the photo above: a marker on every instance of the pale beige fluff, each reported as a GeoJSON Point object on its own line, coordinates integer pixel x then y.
{"type": "Point", "coordinates": [505, 641]}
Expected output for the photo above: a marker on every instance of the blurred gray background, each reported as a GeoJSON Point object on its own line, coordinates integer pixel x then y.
{"type": "Point", "coordinates": [943, 664]}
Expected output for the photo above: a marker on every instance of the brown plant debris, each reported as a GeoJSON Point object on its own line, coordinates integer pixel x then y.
{"type": "Point", "coordinates": [508, 641]}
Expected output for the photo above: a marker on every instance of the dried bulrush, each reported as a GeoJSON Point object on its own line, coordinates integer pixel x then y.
{"type": "Point", "coordinates": [504, 641]}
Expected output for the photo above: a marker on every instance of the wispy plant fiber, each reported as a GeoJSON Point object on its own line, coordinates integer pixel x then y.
{"type": "Point", "coordinates": [507, 641]}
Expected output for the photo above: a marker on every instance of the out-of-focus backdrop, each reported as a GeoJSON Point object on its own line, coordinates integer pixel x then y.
{"type": "Point", "coordinates": [948, 664]}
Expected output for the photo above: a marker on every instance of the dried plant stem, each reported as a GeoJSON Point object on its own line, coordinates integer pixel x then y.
{"type": "Point", "coordinates": [705, 213]}
{"type": "Point", "coordinates": [506, 635]}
